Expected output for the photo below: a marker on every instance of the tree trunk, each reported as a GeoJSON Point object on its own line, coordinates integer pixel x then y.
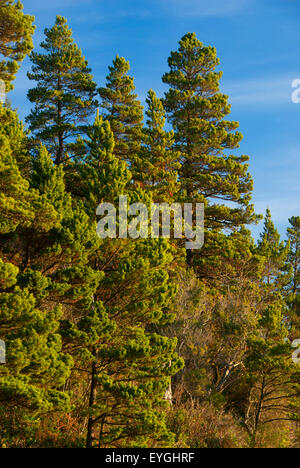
{"type": "Point", "coordinates": [89, 439]}
{"type": "Point", "coordinates": [60, 150]}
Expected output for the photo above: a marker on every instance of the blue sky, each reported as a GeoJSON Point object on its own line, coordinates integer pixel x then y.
{"type": "Point", "coordinates": [257, 42]}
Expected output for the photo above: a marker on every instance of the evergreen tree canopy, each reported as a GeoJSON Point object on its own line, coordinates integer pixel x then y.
{"type": "Point", "coordinates": [113, 341]}
{"type": "Point", "coordinates": [293, 287]}
{"type": "Point", "coordinates": [20, 205]}
{"type": "Point", "coordinates": [129, 367]}
{"type": "Point", "coordinates": [275, 253]}
{"type": "Point", "coordinates": [197, 111]}
{"type": "Point", "coordinates": [65, 91]}
{"type": "Point", "coordinates": [36, 368]}
{"type": "Point", "coordinates": [272, 377]}
{"type": "Point", "coordinates": [16, 30]}
{"type": "Point", "coordinates": [158, 164]}
{"type": "Point", "coordinates": [99, 176]}
{"type": "Point", "coordinates": [123, 110]}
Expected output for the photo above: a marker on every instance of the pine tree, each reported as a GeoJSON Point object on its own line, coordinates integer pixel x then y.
{"type": "Point", "coordinates": [19, 205]}
{"type": "Point", "coordinates": [65, 91]}
{"type": "Point", "coordinates": [293, 288]}
{"type": "Point", "coordinates": [271, 375]}
{"type": "Point", "coordinates": [127, 365]}
{"type": "Point", "coordinates": [16, 32]}
{"type": "Point", "coordinates": [63, 255]}
{"type": "Point", "coordinates": [197, 111]}
{"type": "Point", "coordinates": [36, 368]}
{"type": "Point", "coordinates": [123, 111]}
{"type": "Point", "coordinates": [14, 131]}
{"type": "Point", "coordinates": [275, 254]}
{"type": "Point", "coordinates": [90, 178]}
{"type": "Point", "coordinates": [158, 164]}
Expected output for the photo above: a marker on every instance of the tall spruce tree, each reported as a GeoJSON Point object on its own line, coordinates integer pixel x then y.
{"type": "Point", "coordinates": [16, 30]}
{"type": "Point", "coordinates": [65, 92]}
{"type": "Point", "coordinates": [197, 111]}
{"type": "Point", "coordinates": [158, 163]}
{"type": "Point", "coordinates": [123, 110]}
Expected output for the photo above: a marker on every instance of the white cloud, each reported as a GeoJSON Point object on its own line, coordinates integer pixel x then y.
{"type": "Point", "coordinates": [206, 8]}
{"type": "Point", "coordinates": [266, 92]}
{"type": "Point", "coordinates": [38, 5]}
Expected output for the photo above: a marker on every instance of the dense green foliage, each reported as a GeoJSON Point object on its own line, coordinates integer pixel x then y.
{"type": "Point", "coordinates": [121, 342]}
{"type": "Point", "coordinates": [16, 30]}
{"type": "Point", "coordinates": [65, 91]}
{"type": "Point", "coordinates": [123, 110]}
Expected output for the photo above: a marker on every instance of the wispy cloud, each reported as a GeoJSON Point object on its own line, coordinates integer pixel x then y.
{"type": "Point", "coordinates": [193, 8]}
{"type": "Point", "coordinates": [37, 5]}
{"type": "Point", "coordinates": [268, 92]}
{"type": "Point", "coordinates": [183, 8]}
{"type": "Point", "coordinates": [89, 13]}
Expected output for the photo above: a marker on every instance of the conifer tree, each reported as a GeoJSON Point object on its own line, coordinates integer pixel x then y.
{"type": "Point", "coordinates": [225, 259]}
{"type": "Point", "coordinates": [93, 327]}
{"type": "Point", "coordinates": [16, 30]}
{"type": "Point", "coordinates": [36, 368]}
{"type": "Point", "coordinates": [20, 206]}
{"type": "Point", "coordinates": [63, 255]}
{"type": "Point", "coordinates": [293, 287]}
{"type": "Point", "coordinates": [271, 375]}
{"type": "Point", "coordinates": [197, 111]}
{"type": "Point", "coordinates": [123, 110]}
{"type": "Point", "coordinates": [90, 178]}
{"type": "Point", "coordinates": [158, 164]}
{"type": "Point", "coordinates": [14, 131]}
{"type": "Point", "coordinates": [128, 365]}
{"type": "Point", "coordinates": [275, 254]}
{"type": "Point", "coordinates": [65, 91]}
